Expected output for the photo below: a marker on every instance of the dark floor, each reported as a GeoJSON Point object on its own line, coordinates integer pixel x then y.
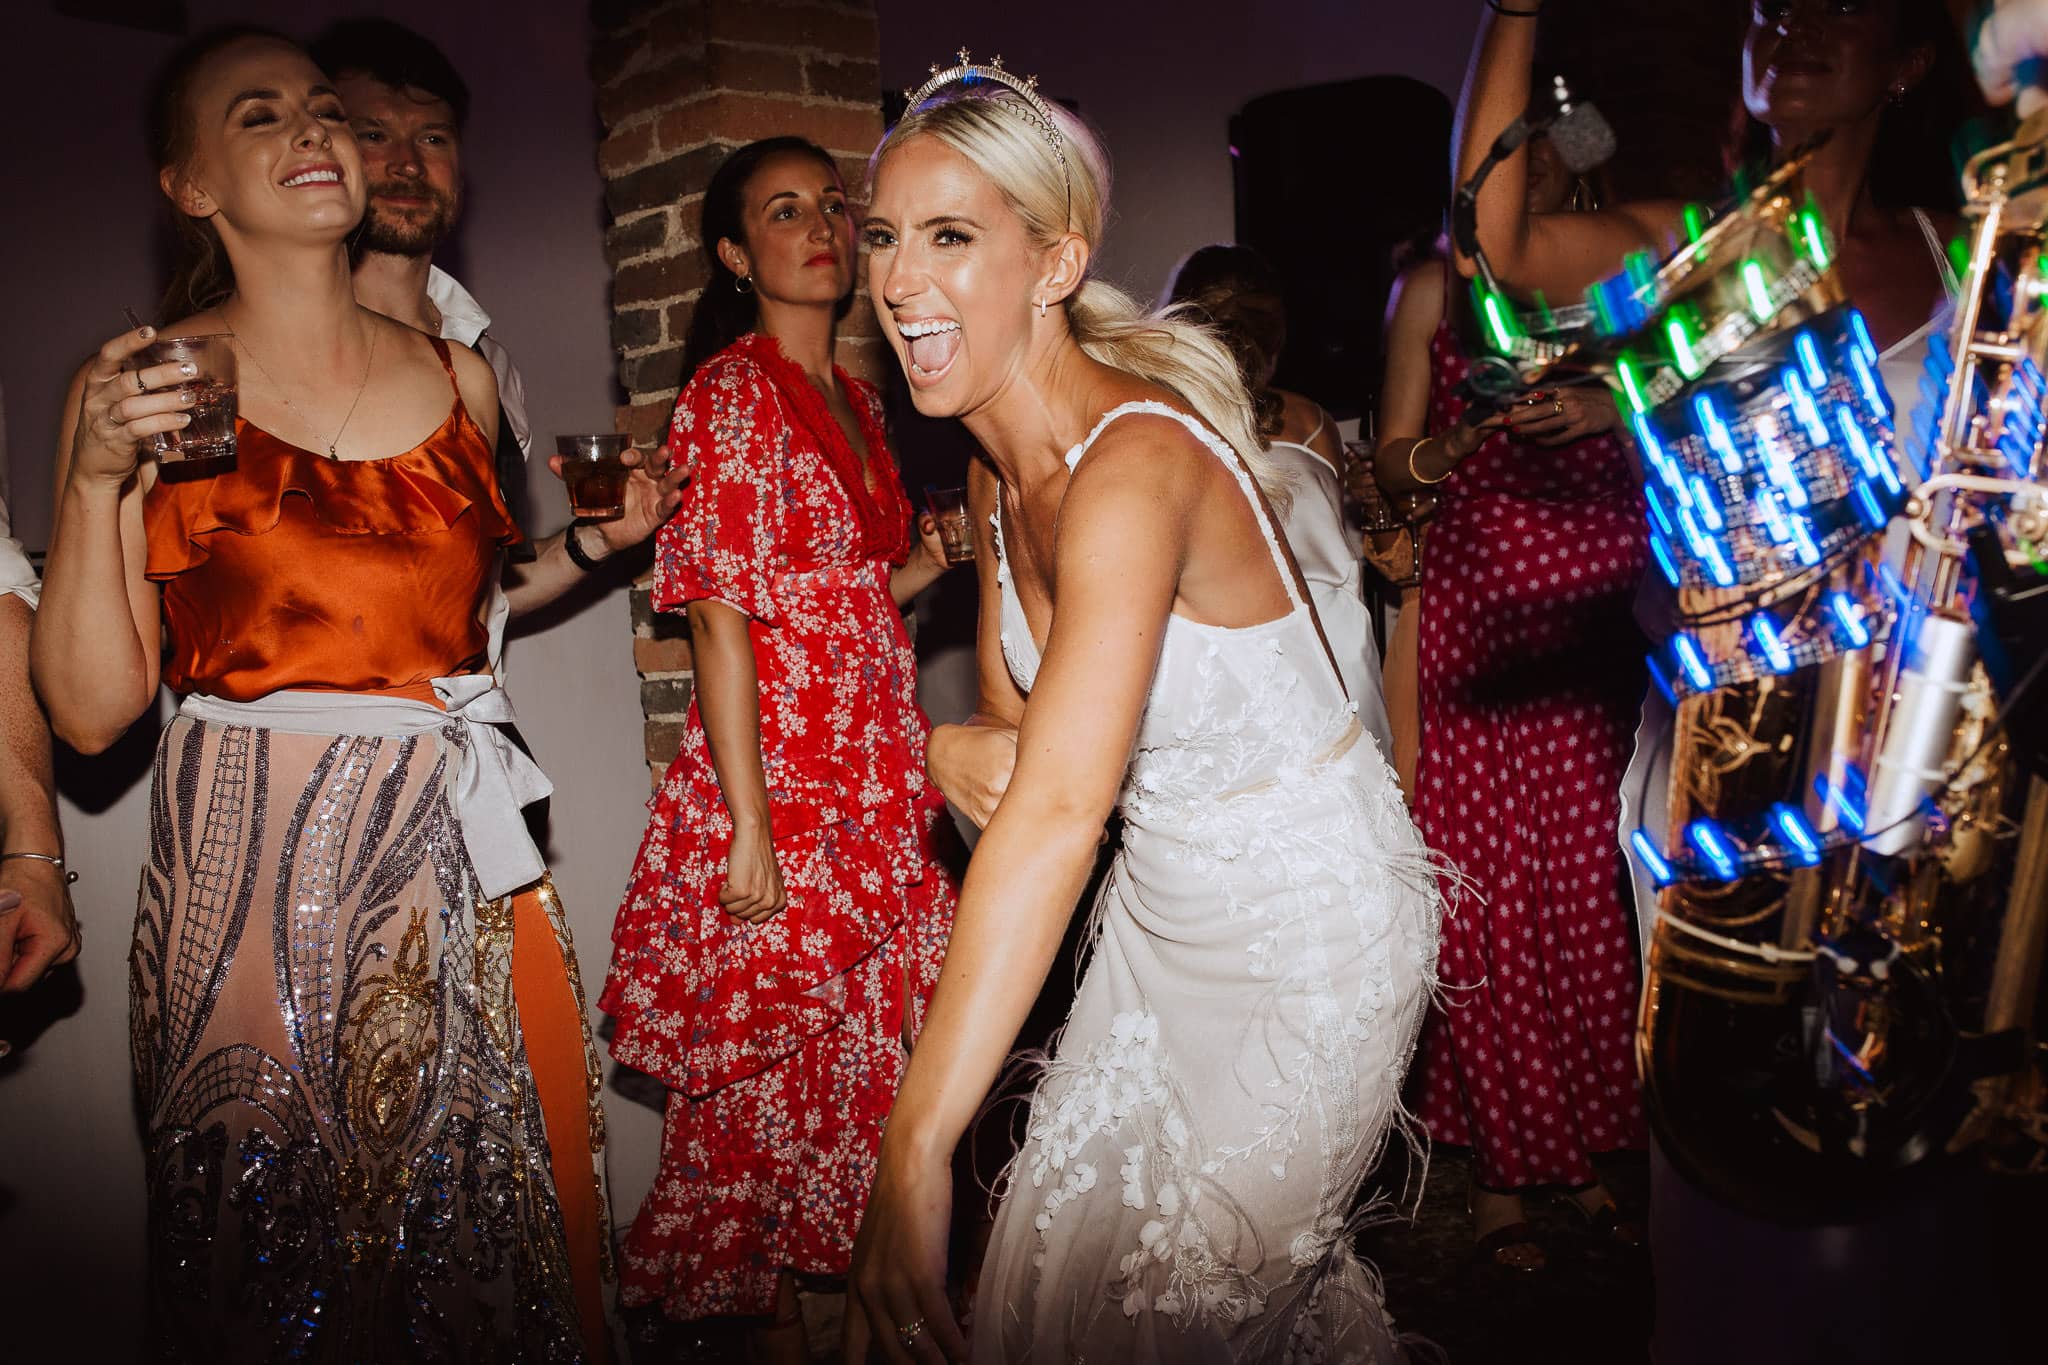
{"type": "Point", "coordinates": [1952, 1273]}
{"type": "Point", "coordinates": [1590, 1305]}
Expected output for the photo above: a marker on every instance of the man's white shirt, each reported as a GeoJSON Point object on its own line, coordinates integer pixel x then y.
{"type": "Point", "coordinates": [463, 319]}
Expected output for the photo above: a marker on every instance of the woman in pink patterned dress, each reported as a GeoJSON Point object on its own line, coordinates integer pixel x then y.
{"type": "Point", "coordinates": [1529, 676]}
{"type": "Point", "coordinates": [786, 917]}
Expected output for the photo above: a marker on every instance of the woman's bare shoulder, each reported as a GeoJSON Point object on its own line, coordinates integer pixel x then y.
{"type": "Point", "coordinates": [1427, 273]}
{"type": "Point", "coordinates": [1416, 301]}
{"type": "Point", "coordinates": [475, 380]}
{"type": "Point", "coordinates": [1149, 456]}
{"type": "Point", "coordinates": [471, 369]}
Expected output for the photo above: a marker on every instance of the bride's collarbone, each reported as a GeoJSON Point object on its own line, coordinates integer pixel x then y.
{"type": "Point", "coordinates": [1030, 526]}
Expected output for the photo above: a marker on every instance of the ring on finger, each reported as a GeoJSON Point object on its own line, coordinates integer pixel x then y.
{"type": "Point", "coordinates": [908, 1334]}
{"type": "Point", "coordinates": [1559, 404]}
{"type": "Point", "coordinates": [140, 387]}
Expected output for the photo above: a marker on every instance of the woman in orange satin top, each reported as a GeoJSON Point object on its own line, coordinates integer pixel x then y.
{"type": "Point", "coordinates": [375, 572]}
{"type": "Point", "coordinates": [357, 1036]}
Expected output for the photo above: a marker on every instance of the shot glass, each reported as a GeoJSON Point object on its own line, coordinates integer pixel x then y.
{"type": "Point", "coordinates": [206, 446]}
{"type": "Point", "coordinates": [593, 467]}
{"type": "Point", "coordinates": [948, 507]}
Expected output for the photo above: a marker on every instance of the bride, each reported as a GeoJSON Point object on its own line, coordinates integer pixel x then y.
{"type": "Point", "coordinates": [1266, 937]}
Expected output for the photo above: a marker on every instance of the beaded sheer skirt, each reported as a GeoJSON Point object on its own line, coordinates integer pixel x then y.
{"type": "Point", "coordinates": [346, 1153]}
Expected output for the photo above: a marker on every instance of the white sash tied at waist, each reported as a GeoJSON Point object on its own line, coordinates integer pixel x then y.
{"type": "Point", "coordinates": [494, 779]}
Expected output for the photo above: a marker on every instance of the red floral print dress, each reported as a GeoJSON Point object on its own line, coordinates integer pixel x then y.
{"type": "Point", "coordinates": [1530, 679]}
{"type": "Point", "coordinates": [782, 1043]}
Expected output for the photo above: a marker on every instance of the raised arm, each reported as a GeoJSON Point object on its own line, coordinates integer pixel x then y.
{"type": "Point", "coordinates": [1117, 563]}
{"type": "Point", "coordinates": [95, 652]}
{"type": "Point", "coordinates": [1557, 254]}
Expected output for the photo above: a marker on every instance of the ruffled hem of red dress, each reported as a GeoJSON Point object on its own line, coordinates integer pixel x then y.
{"type": "Point", "coordinates": [679, 962]}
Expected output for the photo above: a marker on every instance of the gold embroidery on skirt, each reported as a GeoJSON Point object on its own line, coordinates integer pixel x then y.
{"type": "Point", "coordinates": [494, 1000]}
{"type": "Point", "coordinates": [392, 1040]}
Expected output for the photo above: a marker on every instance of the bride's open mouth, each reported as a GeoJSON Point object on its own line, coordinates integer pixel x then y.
{"type": "Point", "coordinates": [933, 344]}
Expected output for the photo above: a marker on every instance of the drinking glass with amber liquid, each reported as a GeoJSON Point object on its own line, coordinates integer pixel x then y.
{"type": "Point", "coordinates": [948, 507]}
{"type": "Point", "coordinates": [594, 468]}
{"type": "Point", "coordinates": [205, 446]}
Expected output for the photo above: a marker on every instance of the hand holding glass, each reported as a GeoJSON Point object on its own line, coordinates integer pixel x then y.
{"type": "Point", "coordinates": [205, 446]}
{"type": "Point", "coordinates": [948, 507]}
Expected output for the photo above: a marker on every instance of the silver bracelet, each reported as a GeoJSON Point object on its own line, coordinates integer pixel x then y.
{"type": "Point", "coordinates": [54, 860]}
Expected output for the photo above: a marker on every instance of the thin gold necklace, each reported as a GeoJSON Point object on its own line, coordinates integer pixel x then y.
{"type": "Point", "coordinates": [369, 363]}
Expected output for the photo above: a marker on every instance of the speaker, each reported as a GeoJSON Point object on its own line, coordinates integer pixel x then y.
{"type": "Point", "coordinates": [1330, 180]}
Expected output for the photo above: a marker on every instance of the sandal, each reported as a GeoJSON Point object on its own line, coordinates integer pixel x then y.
{"type": "Point", "coordinates": [1606, 1224]}
{"type": "Point", "coordinates": [1501, 1247]}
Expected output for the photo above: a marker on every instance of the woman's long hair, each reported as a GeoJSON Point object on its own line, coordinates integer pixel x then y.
{"type": "Point", "coordinates": [1237, 293]}
{"type": "Point", "coordinates": [1055, 192]}
{"type": "Point", "coordinates": [725, 310]}
{"type": "Point", "coordinates": [201, 275]}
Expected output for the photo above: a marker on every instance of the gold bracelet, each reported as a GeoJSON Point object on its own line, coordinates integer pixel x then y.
{"type": "Point", "coordinates": [1414, 473]}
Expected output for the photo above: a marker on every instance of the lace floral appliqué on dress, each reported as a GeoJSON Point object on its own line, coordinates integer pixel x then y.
{"type": "Point", "coordinates": [1264, 949]}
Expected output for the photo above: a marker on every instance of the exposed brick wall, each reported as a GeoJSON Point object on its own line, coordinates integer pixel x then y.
{"type": "Point", "coordinates": [679, 84]}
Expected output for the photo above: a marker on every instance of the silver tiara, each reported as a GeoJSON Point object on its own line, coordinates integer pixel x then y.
{"type": "Point", "coordinates": [967, 70]}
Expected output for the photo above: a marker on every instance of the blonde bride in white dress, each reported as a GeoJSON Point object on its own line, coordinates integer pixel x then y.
{"type": "Point", "coordinates": [1267, 933]}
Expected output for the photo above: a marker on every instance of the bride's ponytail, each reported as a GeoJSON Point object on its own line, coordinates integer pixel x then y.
{"type": "Point", "coordinates": [1176, 353]}
{"type": "Point", "coordinates": [1056, 192]}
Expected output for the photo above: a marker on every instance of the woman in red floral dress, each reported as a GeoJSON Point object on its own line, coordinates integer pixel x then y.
{"type": "Point", "coordinates": [786, 917]}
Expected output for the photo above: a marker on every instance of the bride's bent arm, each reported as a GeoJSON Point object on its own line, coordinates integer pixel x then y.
{"type": "Point", "coordinates": [972, 763]}
{"type": "Point", "coordinates": [1117, 564]}
{"type": "Point", "coordinates": [95, 650]}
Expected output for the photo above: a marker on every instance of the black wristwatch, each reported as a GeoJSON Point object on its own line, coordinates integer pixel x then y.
{"type": "Point", "coordinates": [578, 556]}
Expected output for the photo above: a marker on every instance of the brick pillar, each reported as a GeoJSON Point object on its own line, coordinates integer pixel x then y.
{"type": "Point", "coordinates": [680, 83]}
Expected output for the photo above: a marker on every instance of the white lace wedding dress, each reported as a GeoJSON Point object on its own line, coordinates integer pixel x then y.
{"type": "Point", "coordinates": [1231, 1068]}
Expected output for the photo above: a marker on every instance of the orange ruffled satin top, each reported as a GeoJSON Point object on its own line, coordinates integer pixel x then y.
{"type": "Point", "coordinates": [296, 571]}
